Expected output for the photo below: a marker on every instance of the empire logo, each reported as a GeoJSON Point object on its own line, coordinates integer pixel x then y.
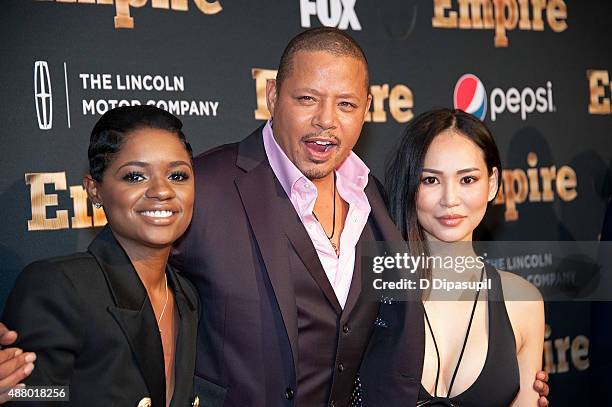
{"type": "Point", "coordinates": [557, 350]}
{"type": "Point", "coordinates": [599, 84]}
{"type": "Point", "coordinates": [535, 185]}
{"type": "Point", "coordinates": [400, 99]}
{"type": "Point", "coordinates": [123, 19]}
{"type": "Point", "coordinates": [501, 16]}
{"type": "Point", "coordinates": [42, 200]}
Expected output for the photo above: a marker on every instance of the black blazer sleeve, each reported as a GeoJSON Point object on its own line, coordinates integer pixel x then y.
{"type": "Point", "coordinates": [46, 311]}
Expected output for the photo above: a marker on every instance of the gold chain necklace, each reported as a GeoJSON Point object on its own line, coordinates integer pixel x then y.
{"type": "Point", "coordinates": [165, 304]}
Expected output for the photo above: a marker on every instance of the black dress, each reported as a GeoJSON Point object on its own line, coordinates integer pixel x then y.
{"type": "Point", "coordinates": [498, 382]}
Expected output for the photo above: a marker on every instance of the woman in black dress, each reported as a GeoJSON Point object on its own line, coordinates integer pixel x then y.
{"type": "Point", "coordinates": [481, 348]}
{"type": "Point", "coordinates": [477, 353]}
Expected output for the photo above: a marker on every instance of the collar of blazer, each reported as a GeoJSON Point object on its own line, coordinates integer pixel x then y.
{"type": "Point", "coordinates": [127, 289]}
{"type": "Point", "coordinates": [134, 314]}
{"type": "Point", "coordinates": [251, 151]}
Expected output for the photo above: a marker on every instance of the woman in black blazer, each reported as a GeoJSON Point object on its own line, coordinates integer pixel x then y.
{"type": "Point", "coordinates": [116, 324]}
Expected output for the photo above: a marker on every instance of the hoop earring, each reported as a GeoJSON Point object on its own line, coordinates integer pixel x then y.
{"type": "Point", "coordinates": [97, 205]}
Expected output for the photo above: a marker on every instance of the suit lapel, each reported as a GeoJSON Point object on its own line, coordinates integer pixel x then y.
{"type": "Point", "coordinates": [355, 290]}
{"type": "Point", "coordinates": [300, 240]}
{"type": "Point", "coordinates": [132, 311]}
{"type": "Point", "coordinates": [269, 211]}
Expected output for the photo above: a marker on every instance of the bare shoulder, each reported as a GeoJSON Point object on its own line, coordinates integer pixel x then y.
{"type": "Point", "coordinates": [525, 307]}
{"type": "Point", "coordinates": [518, 289]}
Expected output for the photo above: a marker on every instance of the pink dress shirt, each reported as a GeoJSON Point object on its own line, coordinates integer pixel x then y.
{"type": "Point", "coordinates": [351, 179]}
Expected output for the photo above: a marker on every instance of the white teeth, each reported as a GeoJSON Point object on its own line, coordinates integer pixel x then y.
{"type": "Point", "coordinates": [323, 143]}
{"type": "Point", "coordinates": [157, 214]}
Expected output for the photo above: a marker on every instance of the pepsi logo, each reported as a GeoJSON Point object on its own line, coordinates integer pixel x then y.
{"type": "Point", "coordinates": [470, 96]}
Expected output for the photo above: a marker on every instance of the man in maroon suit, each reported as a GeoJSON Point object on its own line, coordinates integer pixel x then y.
{"type": "Point", "coordinates": [274, 246]}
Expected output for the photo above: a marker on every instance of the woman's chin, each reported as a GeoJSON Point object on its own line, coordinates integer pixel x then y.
{"type": "Point", "coordinates": [449, 236]}
{"type": "Point", "coordinates": [160, 241]}
{"type": "Point", "coordinates": [162, 236]}
{"type": "Point", "coordinates": [157, 238]}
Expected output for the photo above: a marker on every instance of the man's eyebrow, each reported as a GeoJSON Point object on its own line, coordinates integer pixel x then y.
{"type": "Point", "coordinates": [308, 90]}
{"type": "Point", "coordinates": [348, 95]}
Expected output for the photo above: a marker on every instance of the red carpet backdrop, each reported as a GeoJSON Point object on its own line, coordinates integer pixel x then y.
{"type": "Point", "coordinates": [538, 72]}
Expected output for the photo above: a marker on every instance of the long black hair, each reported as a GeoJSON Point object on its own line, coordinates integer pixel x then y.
{"type": "Point", "coordinates": [403, 172]}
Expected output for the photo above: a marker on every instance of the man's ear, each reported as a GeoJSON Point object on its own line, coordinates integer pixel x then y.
{"type": "Point", "coordinates": [368, 104]}
{"type": "Point", "coordinates": [271, 95]}
{"type": "Point", "coordinates": [91, 186]}
{"type": "Point", "coordinates": [493, 183]}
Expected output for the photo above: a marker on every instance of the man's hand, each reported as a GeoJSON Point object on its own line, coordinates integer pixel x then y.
{"type": "Point", "coordinates": [541, 386]}
{"type": "Point", "coordinates": [15, 365]}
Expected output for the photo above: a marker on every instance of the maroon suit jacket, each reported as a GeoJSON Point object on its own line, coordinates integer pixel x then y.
{"type": "Point", "coordinates": [244, 237]}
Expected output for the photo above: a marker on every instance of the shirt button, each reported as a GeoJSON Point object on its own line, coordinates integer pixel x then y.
{"type": "Point", "coordinates": [340, 367]}
{"type": "Point", "coordinates": [346, 329]}
{"type": "Point", "coordinates": [306, 186]}
{"type": "Point", "coordinates": [289, 393]}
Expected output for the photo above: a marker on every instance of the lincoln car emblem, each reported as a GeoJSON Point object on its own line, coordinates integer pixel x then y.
{"type": "Point", "coordinates": [42, 95]}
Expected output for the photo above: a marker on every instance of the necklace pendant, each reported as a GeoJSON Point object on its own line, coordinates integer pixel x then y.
{"type": "Point", "coordinates": [335, 248]}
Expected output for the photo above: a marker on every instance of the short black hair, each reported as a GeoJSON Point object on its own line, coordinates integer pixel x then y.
{"type": "Point", "coordinates": [403, 173]}
{"type": "Point", "coordinates": [109, 133]}
{"type": "Point", "coordinates": [327, 39]}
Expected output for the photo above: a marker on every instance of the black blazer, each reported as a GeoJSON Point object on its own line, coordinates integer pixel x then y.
{"type": "Point", "coordinates": [89, 320]}
{"type": "Point", "coordinates": [243, 242]}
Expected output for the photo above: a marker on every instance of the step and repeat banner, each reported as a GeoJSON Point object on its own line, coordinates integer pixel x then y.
{"type": "Point", "coordinates": [538, 72]}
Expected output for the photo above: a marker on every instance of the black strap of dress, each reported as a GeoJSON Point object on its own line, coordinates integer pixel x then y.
{"type": "Point", "coordinates": [467, 334]}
